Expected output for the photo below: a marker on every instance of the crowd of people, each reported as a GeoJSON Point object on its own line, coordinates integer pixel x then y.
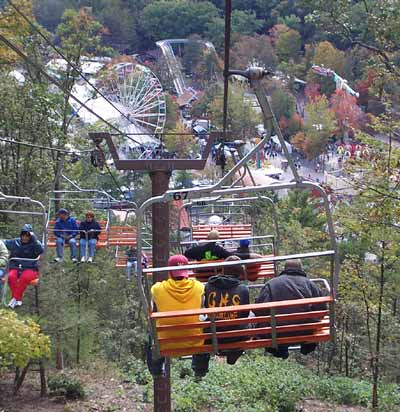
{"type": "Point", "coordinates": [179, 292]}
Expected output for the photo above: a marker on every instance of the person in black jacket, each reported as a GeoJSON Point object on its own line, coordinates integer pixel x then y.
{"type": "Point", "coordinates": [23, 263]}
{"type": "Point", "coordinates": [291, 284]}
{"type": "Point", "coordinates": [89, 231]}
{"type": "Point", "coordinates": [208, 251]}
{"type": "Point", "coordinates": [226, 290]}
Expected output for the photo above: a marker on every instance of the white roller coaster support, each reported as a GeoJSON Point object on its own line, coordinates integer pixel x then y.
{"type": "Point", "coordinates": [173, 64]}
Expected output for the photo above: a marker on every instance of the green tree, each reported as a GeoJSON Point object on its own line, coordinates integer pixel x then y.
{"type": "Point", "coordinates": [121, 24]}
{"type": "Point", "coordinates": [49, 12]}
{"type": "Point", "coordinates": [253, 50]}
{"type": "Point", "coordinates": [20, 341]}
{"type": "Point", "coordinates": [369, 225]}
{"type": "Point", "coordinates": [193, 53]}
{"type": "Point", "coordinates": [288, 45]}
{"type": "Point", "coordinates": [374, 26]}
{"type": "Point", "coordinates": [319, 126]}
{"type": "Point", "coordinates": [184, 18]}
{"type": "Point", "coordinates": [245, 22]}
{"type": "Point", "coordinates": [242, 118]}
{"type": "Point", "coordinates": [15, 29]}
{"type": "Point", "coordinates": [283, 103]}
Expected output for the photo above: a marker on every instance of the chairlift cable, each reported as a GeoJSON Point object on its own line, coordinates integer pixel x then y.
{"type": "Point", "coordinates": [114, 180]}
{"type": "Point", "coordinates": [75, 67]}
{"type": "Point", "coordinates": [67, 152]}
{"type": "Point", "coordinates": [38, 67]}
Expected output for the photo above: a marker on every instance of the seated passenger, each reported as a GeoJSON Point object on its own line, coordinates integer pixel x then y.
{"type": "Point", "coordinates": [226, 290]}
{"type": "Point", "coordinates": [243, 251]}
{"type": "Point", "coordinates": [89, 231]}
{"type": "Point", "coordinates": [24, 271]}
{"type": "Point", "coordinates": [3, 262]}
{"type": "Point", "coordinates": [65, 231]}
{"type": "Point", "coordinates": [177, 293]}
{"type": "Point", "coordinates": [131, 253]}
{"type": "Point", "coordinates": [209, 250]}
{"type": "Point", "coordinates": [291, 284]}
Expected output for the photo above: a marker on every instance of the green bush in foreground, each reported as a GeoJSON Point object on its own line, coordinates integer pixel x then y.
{"type": "Point", "coordinates": [263, 384]}
{"type": "Point", "coordinates": [20, 341]}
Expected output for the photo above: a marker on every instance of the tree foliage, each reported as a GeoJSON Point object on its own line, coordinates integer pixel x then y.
{"type": "Point", "coordinates": [14, 28]}
{"type": "Point", "coordinates": [20, 341]}
{"type": "Point", "coordinates": [318, 128]}
{"type": "Point", "coordinates": [184, 18]}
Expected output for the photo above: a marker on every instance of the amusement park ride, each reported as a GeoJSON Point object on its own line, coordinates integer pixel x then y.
{"type": "Point", "coordinates": [341, 83]}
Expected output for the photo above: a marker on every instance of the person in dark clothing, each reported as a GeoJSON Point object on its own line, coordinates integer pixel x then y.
{"type": "Point", "coordinates": [131, 262]}
{"type": "Point", "coordinates": [89, 231]}
{"type": "Point", "coordinates": [243, 251]}
{"type": "Point", "coordinates": [226, 290]}
{"type": "Point", "coordinates": [65, 231]}
{"type": "Point", "coordinates": [22, 271]}
{"type": "Point", "coordinates": [291, 284]}
{"type": "Point", "coordinates": [208, 251]}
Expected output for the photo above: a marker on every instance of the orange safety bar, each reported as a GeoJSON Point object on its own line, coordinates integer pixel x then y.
{"type": "Point", "coordinates": [102, 242]}
{"type": "Point", "coordinates": [307, 326]}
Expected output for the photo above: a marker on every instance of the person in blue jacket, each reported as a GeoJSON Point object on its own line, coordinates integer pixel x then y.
{"type": "Point", "coordinates": [23, 263]}
{"type": "Point", "coordinates": [89, 231]}
{"type": "Point", "coordinates": [65, 231]}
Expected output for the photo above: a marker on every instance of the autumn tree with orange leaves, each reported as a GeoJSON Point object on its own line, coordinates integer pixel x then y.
{"type": "Point", "coordinates": [347, 112]}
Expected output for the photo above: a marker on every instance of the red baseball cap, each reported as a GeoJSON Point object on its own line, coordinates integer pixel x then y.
{"type": "Point", "coordinates": [178, 260]}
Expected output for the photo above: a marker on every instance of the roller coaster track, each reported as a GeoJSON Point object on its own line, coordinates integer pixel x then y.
{"type": "Point", "coordinates": [173, 64]}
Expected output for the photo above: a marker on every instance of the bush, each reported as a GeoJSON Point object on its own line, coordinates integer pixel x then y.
{"type": "Point", "coordinates": [64, 385]}
{"type": "Point", "coordinates": [20, 340]}
{"type": "Point", "coordinates": [343, 390]}
{"type": "Point", "coordinates": [136, 371]}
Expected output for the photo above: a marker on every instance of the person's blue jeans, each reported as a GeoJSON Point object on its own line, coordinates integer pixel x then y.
{"type": "Point", "coordinates": [2, 274]}
{"type": "Point", "coordinates": [91, 247]}
{"type": "Point", "coordinates": [60, 247]}
{"type": "Point", "coordinates": [129, 265]}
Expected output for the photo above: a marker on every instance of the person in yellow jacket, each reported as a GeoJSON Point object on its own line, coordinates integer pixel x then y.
{"type": "Point", "coordinates": [178, 292]}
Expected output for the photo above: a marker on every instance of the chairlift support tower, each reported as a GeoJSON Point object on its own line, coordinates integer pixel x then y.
{"type": "Point", "coordinates": [160, 172]}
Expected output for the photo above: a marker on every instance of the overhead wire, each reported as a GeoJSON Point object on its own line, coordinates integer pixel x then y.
{"type": "Point", "coordinates": [36, 146]}
{"type": "Point", "coordinates": [71, 64]}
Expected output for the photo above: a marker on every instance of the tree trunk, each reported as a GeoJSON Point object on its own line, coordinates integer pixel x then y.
{"type": "Point", "coordinates": [376, 358]}
{"type": "Point", "coordinates": [59, 352]}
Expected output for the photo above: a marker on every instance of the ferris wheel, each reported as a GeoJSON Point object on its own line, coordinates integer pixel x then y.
{"type": "Point", "coordinates": [138, 93]}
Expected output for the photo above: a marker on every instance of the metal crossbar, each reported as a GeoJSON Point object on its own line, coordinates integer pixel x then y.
{"type": "Point", "coordinates": [236, 239]}
{"type": "Point", "coordinates": [243, 262]}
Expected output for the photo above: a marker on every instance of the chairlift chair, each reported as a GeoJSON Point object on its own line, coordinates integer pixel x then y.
{"type": "Point", "coordinates": [323, 328]}
{"type": "Point", "coordinates": [320, 329]}
{"type": "Point", "coordinates": [40, 212]}
{"type": "Point", "coordinates": [74, 197]}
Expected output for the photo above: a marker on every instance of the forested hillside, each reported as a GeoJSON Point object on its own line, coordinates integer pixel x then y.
{"type": "Point", "coordinates": [85, 323]}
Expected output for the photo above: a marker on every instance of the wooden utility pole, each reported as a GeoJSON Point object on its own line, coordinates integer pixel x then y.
{"type": "Point", "coordinates": [160, 173]}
